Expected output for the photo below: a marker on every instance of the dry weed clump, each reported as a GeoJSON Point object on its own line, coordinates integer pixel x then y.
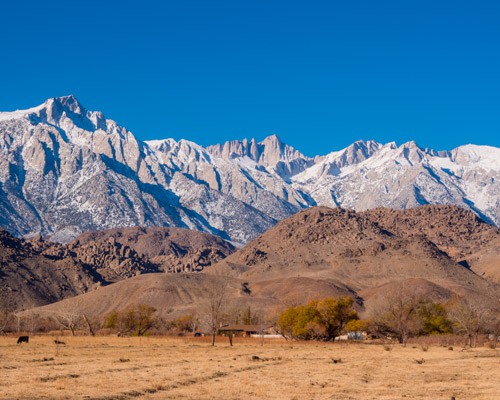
{"type": "Point", "coordinates": [185, 368]}
{"type": "Point", "coordinates": [491, 344]}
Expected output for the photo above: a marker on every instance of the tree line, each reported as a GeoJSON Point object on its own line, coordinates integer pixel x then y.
{"type": "Point", "coordinates": [398, 314]}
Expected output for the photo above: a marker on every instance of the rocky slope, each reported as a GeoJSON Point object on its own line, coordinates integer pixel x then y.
{"type": "Point", "coordinates": [167, 249]}
{"type": "Point", "coordinates": [459, 233]}
{"type": "Point", "coordinates": [357, 246]}
{"type": "Point", "coordinates": [66, 170]}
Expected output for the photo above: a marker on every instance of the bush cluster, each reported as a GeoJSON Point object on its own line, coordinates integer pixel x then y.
{"type": "Point", "coordinates": [319, 319]}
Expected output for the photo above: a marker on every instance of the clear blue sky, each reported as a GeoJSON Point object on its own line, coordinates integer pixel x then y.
{"type": "Point", "coordinates": [320, 74]}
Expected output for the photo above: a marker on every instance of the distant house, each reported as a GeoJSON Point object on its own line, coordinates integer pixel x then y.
{"type": "Point", "coordinates": [245, 330]}
{"type": "Point", "coordinates": [354, 335]}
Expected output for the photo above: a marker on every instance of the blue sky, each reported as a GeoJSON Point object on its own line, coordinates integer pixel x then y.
{"type": "Point", "coordinates": [320, 74]}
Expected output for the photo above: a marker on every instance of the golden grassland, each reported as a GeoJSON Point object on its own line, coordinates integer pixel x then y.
{"type": "Point", "coordinates": [189, 368]}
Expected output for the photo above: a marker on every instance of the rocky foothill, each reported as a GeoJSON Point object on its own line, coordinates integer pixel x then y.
{"type": "Point", "coordinates": [97, 259]}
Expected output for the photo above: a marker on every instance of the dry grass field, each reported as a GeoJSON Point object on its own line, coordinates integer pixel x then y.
{"type": "Point", "coordinates": [189, 368]}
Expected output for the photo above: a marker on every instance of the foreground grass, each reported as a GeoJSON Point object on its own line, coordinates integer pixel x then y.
{"type": "Point", "coordinates": [189, 368]}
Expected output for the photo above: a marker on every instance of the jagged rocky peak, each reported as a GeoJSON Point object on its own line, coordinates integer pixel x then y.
{"type": "Point", "coordinates": [412, 145]}
{"type": "Point", "coordinates": [274, 150]}
{"type": "Point", "coordinates": [411, 152]}
{"type": "Point", "coordinates": [366, 148]}
{"type": "Point", "coordinates": [70, 103]}
{"type": "Point", "coordinates": [162, 145]}
{"type": "Point", "coordinates": [180, 154]}
{"type": "Point", "coordinates": [357, 152]}
{"type": "Point", "coordinates": [332, 163]}
{"type": "Point", "coordinates": [268, 152]}
{"type": "Point", "coordinates": [61, 111]}
{"type": "Point", "coordinates": [235, 149]}
{"type": "Point", "coordinates": [53, 108]}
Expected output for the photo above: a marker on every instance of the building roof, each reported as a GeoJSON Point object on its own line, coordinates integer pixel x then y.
{"type": "Point", "coordinates": [245, 328]}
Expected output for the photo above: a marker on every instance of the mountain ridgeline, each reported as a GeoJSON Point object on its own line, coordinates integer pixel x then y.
{"type": "Point", "coordinates": [65, 170]}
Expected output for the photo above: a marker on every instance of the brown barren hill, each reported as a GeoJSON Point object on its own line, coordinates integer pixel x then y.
{"type": "Point", "coordinates": [172, 295]}
{"type": "Point", "coordinates": [356, 252]}
{"type": "Point", "coordinates": [459, 232]}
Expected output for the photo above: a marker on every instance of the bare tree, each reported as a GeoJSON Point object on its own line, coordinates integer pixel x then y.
{"type": "Point", "coordinates": [6, 317]}
{"type": "Point", "coordinates": [212, 310]}
{"type": "Point", "coordinates": [397, 313]}
{"type": "Point", "coordinates": [68, 320]}
{"type": "Point", "coordinates": [468, 319]}
{"type": "Point", "coordinates": [492, 315]}
{"type": "Point", "coordinates": [92, 323]}
{"type": "Point", "coordinates": [25, 321]}
{"type": "Point", "coordinates": [68, 315]}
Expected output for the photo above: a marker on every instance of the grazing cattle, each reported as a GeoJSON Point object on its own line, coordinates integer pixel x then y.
{"type": "Point", "coordinates": [23, 339]}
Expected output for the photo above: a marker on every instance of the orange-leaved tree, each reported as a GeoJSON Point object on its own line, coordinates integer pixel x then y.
{"type": "Point", "coordinates": [322, 319]}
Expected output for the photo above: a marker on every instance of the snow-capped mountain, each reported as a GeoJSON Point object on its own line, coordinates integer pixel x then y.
{"type": "Point", "coordinates": [64, 170]}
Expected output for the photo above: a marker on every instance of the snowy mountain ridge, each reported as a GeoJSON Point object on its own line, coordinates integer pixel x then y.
{"type": "Point", "coordinates": [64, 170]}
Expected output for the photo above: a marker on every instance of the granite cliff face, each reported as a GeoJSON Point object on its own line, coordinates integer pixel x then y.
{"type": "Point", "coordinates": [66, 170]}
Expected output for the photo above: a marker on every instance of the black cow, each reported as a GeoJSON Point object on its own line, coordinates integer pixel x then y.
{"type": "Point", "coordinates": [23, 339]}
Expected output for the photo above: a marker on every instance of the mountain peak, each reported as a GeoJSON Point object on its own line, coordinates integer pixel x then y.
{"type": "Point", "coordinates": [365, 146]}
{"type": "Point", "coordinates": [268, 151]}
{"type": "Point", "coordinates": [67, 103]}
{"type": "Point", "coordinates": [68, 98]}
{"type": "Point", "coordinates": [274, 138]}
{"type": "Point", "coordinates": [51, 107]}
{"type": "Point", "coordinates": [411, 145]}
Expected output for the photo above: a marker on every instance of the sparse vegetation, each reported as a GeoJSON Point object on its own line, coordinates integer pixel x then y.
{"type": "Point", "coordinates": [135, 321]}
{"type": "Point", "coordinates": [184, 324]}
{"type": "Point", "coordinates": [403, 314]}
{"type": "Point", "coordinates": [468, 319]}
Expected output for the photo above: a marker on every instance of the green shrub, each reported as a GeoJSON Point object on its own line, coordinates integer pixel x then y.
{"type": "Point", "coordinates": [136, 321]}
